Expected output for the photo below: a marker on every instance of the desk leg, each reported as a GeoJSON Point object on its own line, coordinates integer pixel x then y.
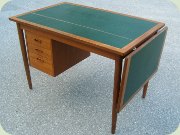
{"type": "Point", "coordinates": [145, 90]}
{"type": "Point", "coordinates": [24, 55]}
{"type": "Point", "coordinates": [117, 80]}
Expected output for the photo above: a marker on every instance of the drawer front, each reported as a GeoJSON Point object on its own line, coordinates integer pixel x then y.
{"type": "Point", "coordinates": [40, 51]}
{"type": "Point", "coordinates": [41, 41]}
{"type": "Point", "coordinates": [41, 65]}
{"type": "Point", "coordinates": [41, 58]}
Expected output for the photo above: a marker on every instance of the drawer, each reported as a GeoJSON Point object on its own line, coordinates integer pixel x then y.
{"type": "Point", "coordinates": [41, 58]}
{"type": "Point", "coordinates": [39, 51]}
{"type": "Point", "coordinates": [39, 40]}
{"type": "Point", "coordinates": [41, 65]}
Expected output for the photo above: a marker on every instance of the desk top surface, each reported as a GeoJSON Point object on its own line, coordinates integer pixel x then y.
{"type": "Point", "coordinates": [111, 29]}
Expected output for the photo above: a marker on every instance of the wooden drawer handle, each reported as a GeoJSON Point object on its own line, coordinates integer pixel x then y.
{"type": "Point", "coordinates": [40, 60]}
{"type": "Point", "coordinates": [39, 50]}
{"type": "Point", "coordinates": [37, 40]}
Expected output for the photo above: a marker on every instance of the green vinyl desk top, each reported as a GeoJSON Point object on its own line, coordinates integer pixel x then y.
{"type": "Point", "coordinates": [110, 29]}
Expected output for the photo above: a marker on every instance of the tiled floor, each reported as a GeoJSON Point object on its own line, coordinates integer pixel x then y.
{"type": "Point", "coordinates": [78, 102]}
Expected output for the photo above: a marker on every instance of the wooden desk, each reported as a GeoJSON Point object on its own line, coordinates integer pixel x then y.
{"type": "Point", "coordinates": [57, 37]}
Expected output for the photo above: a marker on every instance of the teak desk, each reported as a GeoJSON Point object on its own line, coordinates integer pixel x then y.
{"type": "Point", "coordinates": [57, 37]}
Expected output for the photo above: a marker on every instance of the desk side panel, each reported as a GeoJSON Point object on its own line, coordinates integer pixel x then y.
{"type": "Point", "coordinates": [144, 63]}
{"type": "Point", "coordinates": [65, 56]}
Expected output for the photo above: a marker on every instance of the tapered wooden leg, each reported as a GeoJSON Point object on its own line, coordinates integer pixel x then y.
{"type": "Point", "coordinates": [117, 79]}
{"type": "Point", "coordinates": [145, 90]}
{"type": "Point", "coordinates": [24, 55]}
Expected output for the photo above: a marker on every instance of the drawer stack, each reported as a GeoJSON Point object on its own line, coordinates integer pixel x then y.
{"type": "Point", "coordinates": [50, 56]}
{"type": "Point", "coordinates": [40, 52]}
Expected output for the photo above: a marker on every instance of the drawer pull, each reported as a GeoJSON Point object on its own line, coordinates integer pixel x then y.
{"type": "Point", "coordinates": [40, 60]}
{"type": "Point", "coordinates": [37, 40]}
{"type": "Point", "coordinates": [39, 50]}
